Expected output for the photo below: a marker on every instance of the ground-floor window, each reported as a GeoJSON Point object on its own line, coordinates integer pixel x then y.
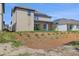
{"type": "Point", "coordinates": [36, 26]}
{"type": "Point", "coordinates": [77, 26]}
{"type": "Point", "coordinates": [69, 27]}
{"type": "Point", "coordinates": [45, 26]}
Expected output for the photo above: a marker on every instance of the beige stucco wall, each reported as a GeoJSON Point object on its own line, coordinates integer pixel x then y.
{"type": "Point", "coordinates": [1, 10]}
{"type": "Point", "coordinates": [1, 17]}
{"type": "Point", "coordinates": [41, 25]}
{"type": "Point", "coordinates": [23, 21]}
{"type": "Point", "coordinates": [14, 18]}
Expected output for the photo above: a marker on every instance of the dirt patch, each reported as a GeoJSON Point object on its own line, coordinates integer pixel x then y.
{"type": "Point", "coordinates": [6, 49]}
{"type": "Point", "coordinates": [42, 40]}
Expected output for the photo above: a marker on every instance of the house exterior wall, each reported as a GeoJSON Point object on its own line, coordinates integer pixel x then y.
{"type": "Point", "coordinates": [1, 9]}
{"type": "Point", "coordinates": [41, 23]}
{"type": "Point", "coordinates": [61, 28]}
{"type": "Point", "coordinates": [14, 19]}
{"type": "Point", "coordinates": [1, 16]}
{"type": "Point", "coordinates": [44, 21]}
{"type": "Point", "coordinates": [75, 28]}
{"type": "Point", "coordinates": [23, 21]}
{"type": "Point", "coordinates": [64, 28]}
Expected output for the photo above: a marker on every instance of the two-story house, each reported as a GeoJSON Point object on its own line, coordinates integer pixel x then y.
{"type": "Point", "coordinates": [26, 19]}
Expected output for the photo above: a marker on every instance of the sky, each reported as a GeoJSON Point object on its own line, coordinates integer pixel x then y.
{"type": "Point", "coordinates": [56, 10]}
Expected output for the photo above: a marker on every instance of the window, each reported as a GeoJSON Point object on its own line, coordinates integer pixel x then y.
{"type": "Point", "coordinates": [37, 26]}
{"type": "Point", "coordinates": [71, 26]}
{"type": "Point", "coordinates": [29, 13]}
{"type": "Point", "coordinates": [44, 26]}
{"type": "Point", "coordinates": [56, 23]}
{"type": "Point", "coordinates": [77, 26]}
{"type": "Point", "coordinates": [36, 17]}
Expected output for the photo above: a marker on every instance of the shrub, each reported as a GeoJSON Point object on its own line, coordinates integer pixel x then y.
{"type": "Point", "coordinates": [42, 34]}
{"type": "Point", "coordinates": [74, 43]}
{"type": "Point", "coordinates": [16, 43]}
{"type": "Point", "coordinates": [28, 35]}
{"type": "Point", "coordinates": [49, 34]}
{"type": "Point", "coordinates": [37, 35]}
{"type": "Point", "coordinates": [20, 33]}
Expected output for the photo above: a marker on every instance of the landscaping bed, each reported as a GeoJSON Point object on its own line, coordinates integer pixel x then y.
{"type": "Point", "coordinates": [42, 40]}
{"type": "Point", "coordinates": [39, 44]}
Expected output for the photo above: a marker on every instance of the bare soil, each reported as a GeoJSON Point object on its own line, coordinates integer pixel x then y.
{"type": "Point", "coordinates": [6, 49]}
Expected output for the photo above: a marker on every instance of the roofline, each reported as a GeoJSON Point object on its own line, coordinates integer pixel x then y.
{"type": "Point", "coordinates": [17, 7]}
{"type": "Point", "coordinates": [23, 8]}
{"type": "Point", "coordinates": [66, 19]}
{"type": "Point", "coordinates": [41, 14]}
{"type": "Point", "coordinates": [76, 21]}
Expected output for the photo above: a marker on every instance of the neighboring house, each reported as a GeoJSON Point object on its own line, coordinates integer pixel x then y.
{"type": "Point", "coordinates": [26, 19]}
{"type": "Point", "coordinates": [1, 15]}
{"type": "Point", "coordinates": [66, 25]}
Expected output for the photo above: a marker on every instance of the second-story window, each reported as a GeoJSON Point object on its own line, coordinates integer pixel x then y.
{"type": "Point", "coordinates": [29, 13]}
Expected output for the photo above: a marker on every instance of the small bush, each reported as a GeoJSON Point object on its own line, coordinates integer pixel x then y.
{"type": "Point", "coordinates": [74, 43]}
{"type": "Point", "coordinates": [42, 34]}
{"type": "Point", "coordinates": [20, 33]}
{"type": "Point", "coordinates": [16, 43]}
{"type": "Point", "coordinates": [28, 35]}
{"type": "Point", "coordinates": [36, 35]}
{"type": "Point", "coordinates": [49, 34]}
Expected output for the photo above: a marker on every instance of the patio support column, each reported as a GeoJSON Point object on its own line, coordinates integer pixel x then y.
{"type": "Point", "coordinates": [46, 27]}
